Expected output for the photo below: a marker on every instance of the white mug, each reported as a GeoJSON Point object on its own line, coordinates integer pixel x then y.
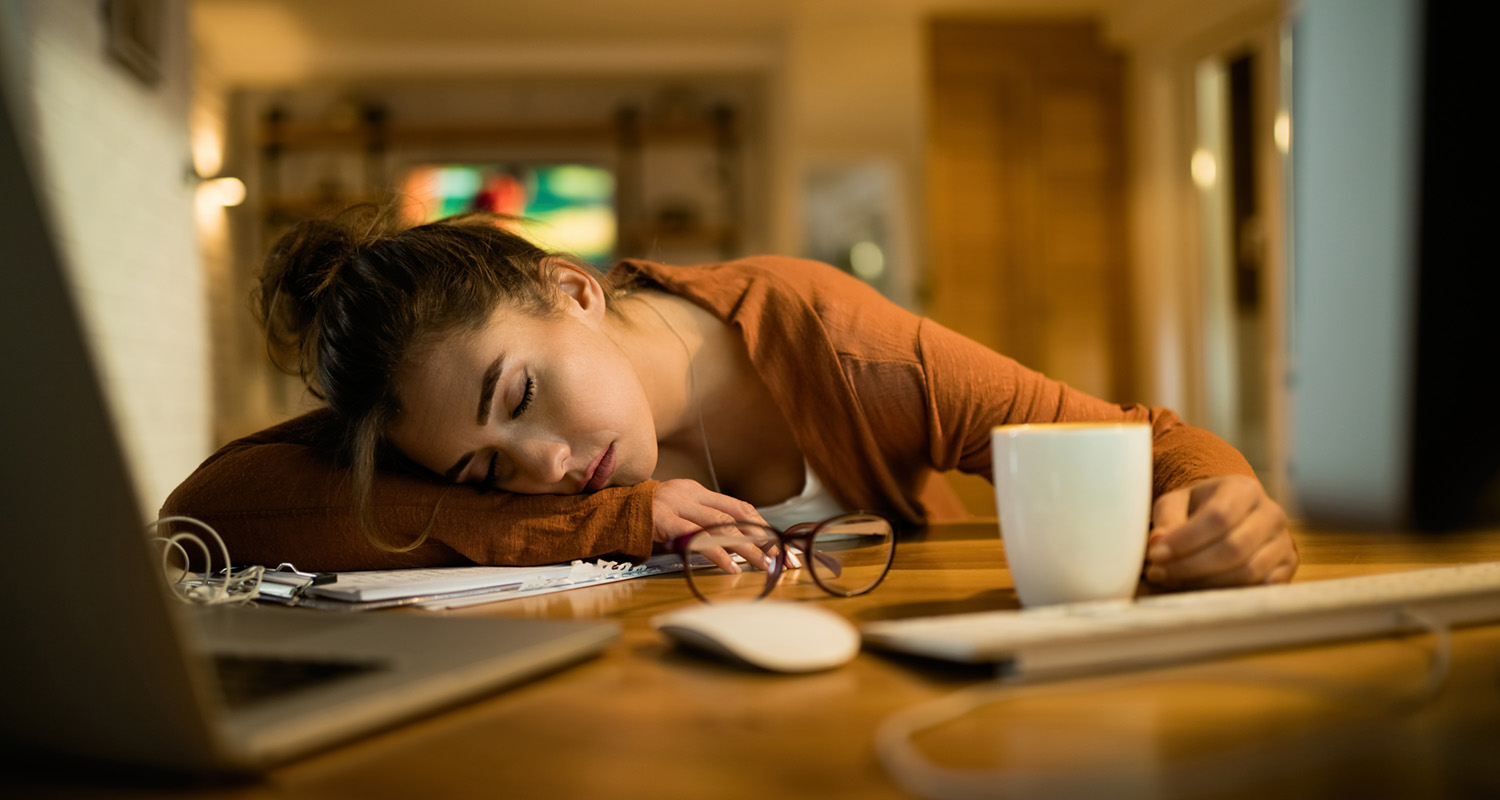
{"type": "Point", "coordinates": [1075, 502]}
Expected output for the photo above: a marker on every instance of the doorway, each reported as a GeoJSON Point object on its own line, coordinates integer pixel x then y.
{"type": "Point", "coordinates": [1242, 137]}
{"type": "Point", "coordinates": [1025, 180]}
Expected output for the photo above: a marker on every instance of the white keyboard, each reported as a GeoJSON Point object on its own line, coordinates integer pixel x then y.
{"type": "Point", "coordinates": [1099, 636]}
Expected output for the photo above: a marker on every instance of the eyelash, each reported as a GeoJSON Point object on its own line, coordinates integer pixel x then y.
{"type": "Point", "coordinates": [489, 475]}
{"type": "Point", "coordinates": [525, 399]}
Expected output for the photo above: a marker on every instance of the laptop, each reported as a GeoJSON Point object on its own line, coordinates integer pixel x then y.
{"type": "Point", "coordinates": [99, 660]}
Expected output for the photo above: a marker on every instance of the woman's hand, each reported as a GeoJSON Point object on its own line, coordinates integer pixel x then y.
{"type": "Point", "coordinates": [681, 506]}
{"type": "Point", "coordinates": [1220, 532]}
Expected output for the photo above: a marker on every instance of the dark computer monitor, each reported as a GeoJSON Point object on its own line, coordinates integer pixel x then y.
{"type": "Point", "coordinates": [1395, 316]}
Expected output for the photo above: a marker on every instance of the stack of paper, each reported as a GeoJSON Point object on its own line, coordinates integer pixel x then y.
{"type": "Point", "coordinates": [447, 587]}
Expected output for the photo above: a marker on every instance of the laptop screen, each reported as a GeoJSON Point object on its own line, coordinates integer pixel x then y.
{"type": "Point", "coordinates": [92, 655]}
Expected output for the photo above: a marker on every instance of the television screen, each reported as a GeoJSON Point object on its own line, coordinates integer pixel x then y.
{"type": "Point", "coordinates": [567, 207]}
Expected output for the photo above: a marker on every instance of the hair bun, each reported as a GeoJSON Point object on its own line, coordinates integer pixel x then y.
{"type": "Point", "coordinates": [301, 272]}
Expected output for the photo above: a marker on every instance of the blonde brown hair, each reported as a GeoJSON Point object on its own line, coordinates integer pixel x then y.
{"type": "Point", "coordinates": [343, 301]}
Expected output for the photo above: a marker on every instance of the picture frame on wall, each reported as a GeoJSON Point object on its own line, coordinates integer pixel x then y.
{"type": "Point", "coordinates": [851, 219]}
{"type": "Point", "coordinates": [134, 37]}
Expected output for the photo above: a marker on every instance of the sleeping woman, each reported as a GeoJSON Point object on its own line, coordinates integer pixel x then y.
{"type": "Point", "coordinates": [486, 401]}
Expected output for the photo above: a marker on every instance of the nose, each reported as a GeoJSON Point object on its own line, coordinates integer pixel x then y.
{"type": "Point", "coordinates": [542, 462]}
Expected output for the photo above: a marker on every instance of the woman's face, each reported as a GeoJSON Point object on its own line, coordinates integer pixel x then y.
{"type": "Point", "coordinates": [528, 404]}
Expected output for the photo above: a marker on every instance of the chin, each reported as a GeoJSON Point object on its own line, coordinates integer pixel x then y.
{"type": "Point", "coordinates": [632, 474]}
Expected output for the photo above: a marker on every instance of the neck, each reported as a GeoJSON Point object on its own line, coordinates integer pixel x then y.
{"type": "Point", "coordinates": [664, 338]}
{"type": "Point", "coordinates": [750, 448]}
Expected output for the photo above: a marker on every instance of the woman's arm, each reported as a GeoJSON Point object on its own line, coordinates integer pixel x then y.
{"type": "Point", "coordinates": [971, 389]}
{"type": "Point", "coordinates": [276, 496]}
{"type": "Point", "coordinates": [1212, 522]}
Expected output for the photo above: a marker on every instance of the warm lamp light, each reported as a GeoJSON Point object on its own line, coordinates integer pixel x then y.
{"type": "Point", "coordinates": [221, 192]}
{"type": "Point", "coordinates": [1205, 168]}
{"type": "Point", "coordinates": [1282, 130]}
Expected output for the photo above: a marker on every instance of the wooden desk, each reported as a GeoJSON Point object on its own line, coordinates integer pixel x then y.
{"type": "Point", "coordinates": [645, 720]}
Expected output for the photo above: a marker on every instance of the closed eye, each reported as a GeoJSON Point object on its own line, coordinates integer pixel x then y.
{"type": "Point", "coordinates": [525, 399]}
{"type": "Point", "coordinates": [488, 484]}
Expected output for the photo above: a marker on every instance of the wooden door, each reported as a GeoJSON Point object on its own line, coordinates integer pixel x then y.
{"type": "Point", "coordinates": [1026, 188]}
{"type": "Point", "coordinates": [1026, 197]}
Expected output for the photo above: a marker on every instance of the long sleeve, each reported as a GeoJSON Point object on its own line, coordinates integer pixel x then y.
{"type": "Point", "coordinates": [875, 396]}
{"type": "Point", "coordinates": [275, 496]}
{"type": "Point", "coordinates": [971, 389]}
{"type": "Point", "coordinates": [878, 397]}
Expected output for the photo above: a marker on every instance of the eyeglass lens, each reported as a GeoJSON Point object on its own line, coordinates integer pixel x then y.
{"type": "Point", "coordinates": [848, 556]}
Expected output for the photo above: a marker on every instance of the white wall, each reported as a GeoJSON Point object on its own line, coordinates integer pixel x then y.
{"type": "Point", "coordinates": [114, 159]}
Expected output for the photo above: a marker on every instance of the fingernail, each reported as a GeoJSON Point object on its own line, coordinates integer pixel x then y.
{"type": "Point", "coordinates": [1159, 552]}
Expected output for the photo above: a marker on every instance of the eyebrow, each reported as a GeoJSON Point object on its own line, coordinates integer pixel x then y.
{"type": "Point", "coordinates": [487, 389]}
{"type": "Point", "coordinates": [487, 385]}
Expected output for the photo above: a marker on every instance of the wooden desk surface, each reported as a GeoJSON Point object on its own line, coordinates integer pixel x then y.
{"type": "Point", "coordinates": [645, 720]}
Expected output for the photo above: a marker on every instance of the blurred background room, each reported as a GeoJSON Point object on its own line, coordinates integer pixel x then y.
{"type": "Point", "coordinates": [1094, 187]}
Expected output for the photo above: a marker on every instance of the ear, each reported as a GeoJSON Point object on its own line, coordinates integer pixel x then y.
{"type": "Point", "coordinates": [579, 292]}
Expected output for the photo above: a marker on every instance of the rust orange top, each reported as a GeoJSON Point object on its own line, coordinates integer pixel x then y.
{"type": "Point", "coordinates": [877, 397]}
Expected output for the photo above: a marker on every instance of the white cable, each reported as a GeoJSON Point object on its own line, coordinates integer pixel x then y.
{"type": "Point", "coordinates": [204, 589]}
{"type": "Point", "coordinates": [708, 455]}
{"type": "Point", "coordinates": [920, 775]}
{"type": "Point", "coordinates": [1442, 653]}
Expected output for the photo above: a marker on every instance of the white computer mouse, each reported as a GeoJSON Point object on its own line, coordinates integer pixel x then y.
{"type": "Point", "coordinates": [781, 637]}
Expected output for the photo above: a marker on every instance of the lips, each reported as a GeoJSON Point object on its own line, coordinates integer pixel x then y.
{"type": "Point", "coordinates": [601, 470]}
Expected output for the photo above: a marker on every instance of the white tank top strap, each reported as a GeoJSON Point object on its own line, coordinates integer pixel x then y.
{"type": "Point", "coordinates": [814, 504]}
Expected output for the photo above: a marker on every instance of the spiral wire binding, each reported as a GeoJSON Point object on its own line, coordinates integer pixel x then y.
{"type": "Point", "coordinates": [209, 587]}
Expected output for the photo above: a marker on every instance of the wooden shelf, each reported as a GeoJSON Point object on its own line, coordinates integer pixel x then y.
{"type": "Point", "coordinates": [314, 136]}
{"type": "Point", "coordinates": [626, 136]}
{"type": "Point", "coordinates": [306, 136]}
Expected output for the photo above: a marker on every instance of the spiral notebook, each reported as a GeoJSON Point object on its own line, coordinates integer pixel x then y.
{"type": "Point", "coordinates": [450, 587]}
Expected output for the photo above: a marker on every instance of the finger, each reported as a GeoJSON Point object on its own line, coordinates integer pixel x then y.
{"type": "Point", "coordinates": [1248, 554]}
{"type": "Point", "coordinates": [1257, 572]}
{"type": "Point", "coordinates": [752, 543]}
{"type": "Point", "coordinates": [1283, 572]}
{"type": "Point", "coordinates": [1235, 557]}
{"type": "Point", "coordinates": [1167, 513]}
{"type": "Point", "coordinates": [759, 555]}
{"type": "Point", "coordinates": [684, 517]}
{"type": "Point", "coordinates": [732, 516]}
{"type": "Point", "coordinates": [1209, 521]}
{"type": "Point", "coordinates": [677, 510]}
{"type": "Point", "coordinates": [674, 527]}
{"type": "Point", "coordinates": [1234, 549]}
{"type": "Point", "coordinates": [1170, 510]}
{"type": "Point", "coordinates": [738, 510]}
{"type": "Point", "coordinates": [708, 509]}
{"type": "Point", "coordinates": [720, 558]}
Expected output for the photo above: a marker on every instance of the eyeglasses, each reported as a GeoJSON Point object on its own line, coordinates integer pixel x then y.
{"type": "Point", "coordinates": [847, 555]}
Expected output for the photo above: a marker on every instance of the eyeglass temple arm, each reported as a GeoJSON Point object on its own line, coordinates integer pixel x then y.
{"type": "Point", "coordinates": [803, 542]}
